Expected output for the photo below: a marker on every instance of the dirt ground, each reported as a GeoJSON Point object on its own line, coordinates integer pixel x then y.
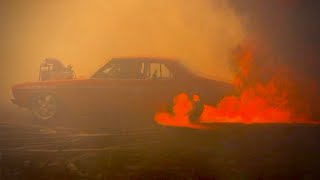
{"type": "Point", "coordinates": [33, 150]}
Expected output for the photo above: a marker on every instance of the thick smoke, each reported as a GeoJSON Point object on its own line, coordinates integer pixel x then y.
{"type": "Point", "coordinates": [204, 33]}
{"type": "Point", "coordinates": [286, 30]}
{"type": "Point", "coordinates": [87, 33]}
{"type": "Point", "coordinates": [286, 40]}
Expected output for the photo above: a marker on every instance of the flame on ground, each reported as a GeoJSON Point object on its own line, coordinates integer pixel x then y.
{"type": "Point", "coordinates": [259, 101]}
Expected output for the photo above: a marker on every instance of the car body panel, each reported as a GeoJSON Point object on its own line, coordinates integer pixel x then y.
{"type": "Point", "coordinates": [131, 95]}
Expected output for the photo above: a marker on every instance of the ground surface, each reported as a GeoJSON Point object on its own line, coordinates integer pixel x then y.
{"type": "Point", "coordinates": [30, 150]}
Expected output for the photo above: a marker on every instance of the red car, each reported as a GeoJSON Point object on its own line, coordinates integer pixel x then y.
{"type": "Point", "coordinates": [122, 86]}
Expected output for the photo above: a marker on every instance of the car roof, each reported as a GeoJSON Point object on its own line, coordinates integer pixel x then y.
{"type": "Point", "coordinates": [155, 59]}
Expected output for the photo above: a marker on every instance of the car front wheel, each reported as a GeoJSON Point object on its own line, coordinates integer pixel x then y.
{"type": "Point", "coordinates": [44, 106]}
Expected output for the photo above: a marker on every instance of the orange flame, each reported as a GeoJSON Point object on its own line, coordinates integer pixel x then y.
{"type": "Point", "coordinates": [259, 102]}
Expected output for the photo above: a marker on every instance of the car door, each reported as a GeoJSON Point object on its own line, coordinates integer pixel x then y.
{"type": "Point", "coordinates": [115, 92]}
{"type": "Point", "coordinates": [157, 87]}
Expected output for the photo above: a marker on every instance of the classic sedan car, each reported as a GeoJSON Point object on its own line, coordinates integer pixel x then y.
{"type": "Point", "coordinates": [123, 86]}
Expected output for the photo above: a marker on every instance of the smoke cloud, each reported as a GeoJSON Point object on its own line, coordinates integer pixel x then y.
{"type": "Point", "coordinates": [203, 33]}
{"type": "Point", "coordinates": [87, 33]}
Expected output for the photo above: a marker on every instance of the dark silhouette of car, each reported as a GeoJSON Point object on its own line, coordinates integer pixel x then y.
{"type": "Point", "coordinates": [123, 86]}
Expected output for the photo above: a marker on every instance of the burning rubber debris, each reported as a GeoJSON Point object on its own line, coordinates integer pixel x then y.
{"type": "Point", "coordinates": [259, 101]}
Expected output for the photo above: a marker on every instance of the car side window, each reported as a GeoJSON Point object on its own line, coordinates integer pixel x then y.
{"type": "Point", "coordinates": [141, 70]}
{"type": "Point", "coordinates": [119, 70]}
{"type": "Point", "coordinates": [158, 71]}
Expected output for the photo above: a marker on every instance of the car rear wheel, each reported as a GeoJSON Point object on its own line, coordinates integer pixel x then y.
{"type": "Point", "coordinates": [197, 107]}
{"type": "Point", "coordinates": [44, 106]}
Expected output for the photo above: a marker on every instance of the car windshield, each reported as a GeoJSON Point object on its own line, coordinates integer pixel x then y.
{"type": "Point", "coordinates": [117, 70]}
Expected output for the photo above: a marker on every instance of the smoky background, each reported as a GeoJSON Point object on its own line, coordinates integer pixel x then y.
{"type": "Point", "coordinates": [87, 34]}
{"type": "Point", "coordinates": [202, 33]}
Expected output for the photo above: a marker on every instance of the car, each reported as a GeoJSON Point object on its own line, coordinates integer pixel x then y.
{"type": "Point", "coordinates": [123, 86]}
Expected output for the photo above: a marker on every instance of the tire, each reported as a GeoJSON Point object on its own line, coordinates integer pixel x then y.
{"type": "Point", "coordinates": [196, 112]}
{"type": "Point", "coordinates": [197, 108]}
{"type": "Point", "coordinates": [44, 106]}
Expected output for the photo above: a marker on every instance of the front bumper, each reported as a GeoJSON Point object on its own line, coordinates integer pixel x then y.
{"type": "Point", "coordinates": [14, 101]}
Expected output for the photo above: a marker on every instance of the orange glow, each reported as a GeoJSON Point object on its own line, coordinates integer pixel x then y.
{"type": "Point", "coordinates": [182, 106]}
{"type": "Point", "coordinates": [258, 102]}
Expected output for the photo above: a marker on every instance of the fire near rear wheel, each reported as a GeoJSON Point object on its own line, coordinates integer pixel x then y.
{"type": "Point", "coordinates": [196, 110]}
